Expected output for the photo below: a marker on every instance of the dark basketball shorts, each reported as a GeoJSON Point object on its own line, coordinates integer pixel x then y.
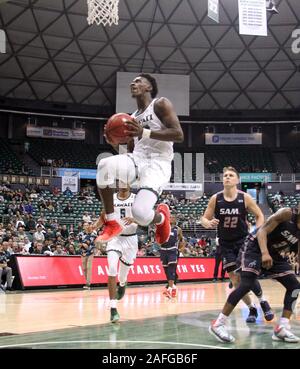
{"type": "Point", "coordinates": [230, 251]}
{"type": "Point", "coordinates": [168, 256]}
{"type": "Point", "coordinates": [249, 260]}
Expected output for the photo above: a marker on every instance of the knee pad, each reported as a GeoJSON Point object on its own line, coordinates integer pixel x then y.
{"type": "Point", "coordinates": [142, 213]}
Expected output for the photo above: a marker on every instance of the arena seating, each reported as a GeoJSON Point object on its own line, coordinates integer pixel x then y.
{"type": "Point", "coordinates": [286, 201]}
{"type": "Point", "coordinates": [243, 158]}
{"type": "Point", "coordinates": [294, 157]}
{"type": "Point", "coordinates": [75, 154]}
{"type": "Point", "coordinates": [9, 161]}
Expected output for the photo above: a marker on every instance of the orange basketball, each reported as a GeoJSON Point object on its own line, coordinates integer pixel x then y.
{"type": "Point", "coordinates": [115, 127]}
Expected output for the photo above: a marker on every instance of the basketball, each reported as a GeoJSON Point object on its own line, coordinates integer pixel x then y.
{"type": "Point", "coordinates": [115, 127]}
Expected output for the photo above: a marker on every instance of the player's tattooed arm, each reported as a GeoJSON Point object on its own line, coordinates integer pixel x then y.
{"type": "Point", "coordinates": [208, 220]}
{"type": "Point", "coordinates": [282, 215]}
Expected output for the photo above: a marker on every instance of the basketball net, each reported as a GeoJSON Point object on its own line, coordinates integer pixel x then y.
{"type": "Point", "coordinates": [103, 11]}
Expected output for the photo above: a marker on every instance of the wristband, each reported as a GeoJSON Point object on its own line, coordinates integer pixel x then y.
{"type": "Point", "coordinates": [146, 133]}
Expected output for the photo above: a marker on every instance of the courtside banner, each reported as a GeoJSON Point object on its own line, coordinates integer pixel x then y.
{"type": "Point", "coordinates": [45, 271]}
{"type": "Point", "coordinates": [60, 133]}
{"type": "Point", "coordinates": [233, 139]}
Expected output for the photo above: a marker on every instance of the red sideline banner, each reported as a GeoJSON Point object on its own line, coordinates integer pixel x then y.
{"type": "Point", "coordinates": [67, 270]}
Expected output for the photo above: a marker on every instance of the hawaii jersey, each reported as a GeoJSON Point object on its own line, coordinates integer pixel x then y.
{"type": "Point", "coordinates": [232, 217]}
{"type": "Point", "coordinates": [122, 210]}
{"type": "Point", "coordinates": [147, 147]}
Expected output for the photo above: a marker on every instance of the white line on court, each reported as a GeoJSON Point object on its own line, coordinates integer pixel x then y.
{"type": "Point", "coordinates": [101, 341]}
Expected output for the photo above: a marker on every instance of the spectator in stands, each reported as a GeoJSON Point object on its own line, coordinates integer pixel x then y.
{"type": "Point", "coordinates": [202, 243]}
{"type": "Point", "coordinates": [67, 192]}
{"type": "Point", "coordinates": [26, 146]}
{"type": "Point", "coordinates": [86, 217]}
{"type": "Point", "coordinates": [5, 270]}
{"type": "Point", "coordinates": [30, 225]}
{"type": "Point", "coordinates": [6, 248]}
{"type": "Point", "coordinates": [39, 235]}
{"type": "Point", "coordinates": [64, 232]}
{"type": "Point", "coordinates": [28, 208]}
{"type": "Point", "coordinates": [56, 191]}
{"type": "Point", "coordinates": [27, 244]}
{"type": "Point", "coordinates": [59, 250]}
{"type": "Point", "coordinates": [71, 249]}
{"type": "Point", "coordinates": [21, 232]}
{"type": "Point", "coordinates": [68, 209]}
{"type": "Point", "coordinates": [37, 248]}
{"type": "Point", "coordinates": [87, 256]}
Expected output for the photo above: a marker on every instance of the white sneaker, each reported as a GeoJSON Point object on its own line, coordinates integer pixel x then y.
{"type": "Point", "coordinates": [282, 333]}
{"type": "Point", "coordinates": [220, 333]}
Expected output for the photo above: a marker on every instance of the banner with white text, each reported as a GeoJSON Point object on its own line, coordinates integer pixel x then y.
{"type": "Point", "coordinates": [39, 271]}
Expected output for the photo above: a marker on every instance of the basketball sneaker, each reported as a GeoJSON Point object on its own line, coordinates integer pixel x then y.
{"type": "Point", "coordinates": [174, 293]}
{"type": "Point", "coordinates": [282, 333]}
{"type": "Point", "coordinates": [252, 315]}
{"type": "Point", "coordinates": [110, 230]}
{"type": "Point", "coordinates": [114, 315]}
{"type": "Point", "coordinates": [167, 293]}
{"type": "Point", "coordinates": [121, 292]}
{"type": "Point", "coordinates": [163, 230]}
{"type": "Point", "coordinates": [220, 333]}
{"type": "Point", "coordinates": [87, 287]}
{"type": "Point", "coordinates": [268, 313]}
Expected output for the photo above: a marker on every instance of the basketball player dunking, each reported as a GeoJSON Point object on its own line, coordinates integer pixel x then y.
{"type": "Point", "coordinates": [227, 210]}
{"type": "Point", "coordinates": [261, 252]}
{"type": "Point", "coordinates": [154, 128]}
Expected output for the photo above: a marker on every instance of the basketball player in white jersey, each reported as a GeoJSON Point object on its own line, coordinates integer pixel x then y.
{"type": "Point", "coordinates": [154, 128]}
{"type": "Point", "coordinates": [122, 248]}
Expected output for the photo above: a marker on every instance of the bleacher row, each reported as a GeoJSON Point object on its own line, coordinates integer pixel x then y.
{"type": "Point", "coordinates": [82, 155]}
{"type": "Point", "coordinates": [188, 214]}
{"type": "Point", "coordinates": [286, 201]}
{"type": "Point", "coordinates": [9, 161]}
{"type": "Point", "coordinates": [78, 208]}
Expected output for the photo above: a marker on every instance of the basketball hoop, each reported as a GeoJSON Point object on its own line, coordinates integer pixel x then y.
{"type": "Point", "coordinates": [103, 11]}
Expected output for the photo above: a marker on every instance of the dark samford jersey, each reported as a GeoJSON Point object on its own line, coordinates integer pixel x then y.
{"type": "Point", "coordinates": [284, 237]}
{"type": "Point", "coordinates": [232, 217]}
{"type": "Point", "coordinates": [173, 240]}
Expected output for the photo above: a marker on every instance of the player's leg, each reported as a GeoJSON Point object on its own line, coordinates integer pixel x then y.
{"type": "Point", "coordinates": [129, 251]}
{"type": "Point", "coordinates": [153, 175]}
{"type": "Point", "coordinates": [282, 330]}
{"type": "Point", "coordinates": [218, 260]}
{"type": "Point", "coordinates": [113, 260]}
{"type": "Point", "coordinates": [109, 170]}
{"type": "Point", "coordinates": [265, 306]}
{"type": "Point", "coordinates": [144, 213]}
{"type": "Point", "coordinates": [84, 268]}
{"type": "Point", "coordinates": [89, 267]}
{"type": "Point", "coordinates": [218, 327]}
{"type": "Point", "coordinates": [230, 261]}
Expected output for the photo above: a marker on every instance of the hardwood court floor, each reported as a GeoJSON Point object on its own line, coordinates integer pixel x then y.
{"type": "Point", "coordinates": [80, 319]}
